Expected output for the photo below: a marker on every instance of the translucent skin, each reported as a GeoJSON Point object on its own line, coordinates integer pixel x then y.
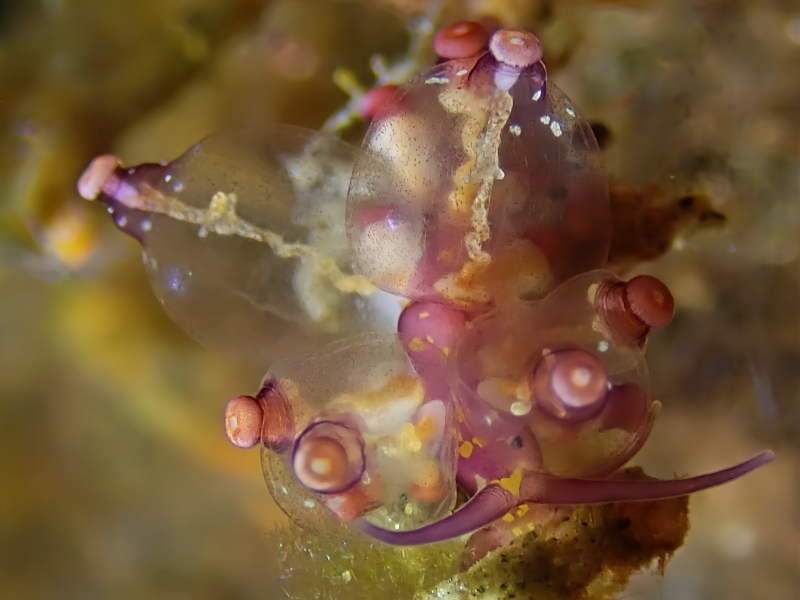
{"type": "Point", "coordinates": [243, 239]}
{"type": "Point", "coordinates": [451, 399]}
{"type": "Point", "coordinates": [502, 376]}
{"type": "Point", "coordinates": [362, 394]}
{"type": "Point", "coordinates": [517, 370]}
{"type": "Point", "coordinates": [471, 194]}
{"type": "Point", "coordinates": [516, 449]}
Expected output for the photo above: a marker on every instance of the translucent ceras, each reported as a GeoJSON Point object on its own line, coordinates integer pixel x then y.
{"type": "Point", "coordinates": [366, 437]}
{"type": "Point", "coordinates": [552, 397]}
{"type": "Point", "coordinates": [479, 182]}
{"type": "Point", "coordinates": [244, 240]}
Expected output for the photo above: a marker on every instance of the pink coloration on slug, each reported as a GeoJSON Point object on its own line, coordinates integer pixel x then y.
{"type": "Point", "coordinates": [460, 40]}
{"type": "Point", "coordinates": [372, 101]}
{"type": "Point", "coordinates": [438, 324]}
{"type": "Point", "coordinates": [480, 161]}
{"type": "Point", "coordinates": [631, 308]}
{"type": "Point", "coordinates": [493, 501]}
{"type": "Point", "coordinates": [515, 48]}
{"type": "Point", "coordinates": [570, 384]}
{"type": "Point", "coordinates": [243, 418]}
{"type": "Point", "coordinates": [278, 430]}
{"type": "Point", "coordinates": [517, 368]}
{"type": "Point", "coordinates": [328, 458]}
{"type": "Point", "coordinates": [96, 174]}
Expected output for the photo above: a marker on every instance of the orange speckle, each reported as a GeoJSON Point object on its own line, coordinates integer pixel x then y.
{"type": "Point", "coordinates": [430, 339]}
{"type": "Point", "coordinates": [479, 442]}
{"type": "Point", "coordinates": [416, 344]}
{"type": "Point", "coordinates": [424, 315]}
{"type": "Point", "coordinates": [446, 351]}
{"type": "Point", "coordinates": [425, 427]}
{"type": "Point", "coordinates": [428, 488]}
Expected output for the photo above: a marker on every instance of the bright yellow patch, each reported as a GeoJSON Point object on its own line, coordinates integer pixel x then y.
{"type": "Point", "coordinates": [508, 517]}
{"type": "Point", "coordinates": [416, 344]}
{"type": "Point", "coordinates": [479, 442]}
{"type": "Point", "coordinates": [465, 450]}
{"type": "Point", "coordinates": [424, 315]}
{"type": "Point", "coordinates": [409, 439]}
{"type": "Point", "coordinates": [512, 483]}
{"type": "Point", "coordinates": [446, 351]}
{"type": "Point", "coordinates": [522, 510]}
{"type": "Point", "coordinates": [517, 531]}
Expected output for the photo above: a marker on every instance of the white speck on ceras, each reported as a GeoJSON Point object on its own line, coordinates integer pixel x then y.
{"type": "Point", "coordinates": [555, 127]}
{"type": "Point", "coordinates": [515, 129]}
{"type": "Point", "coordinates": [432, 80]}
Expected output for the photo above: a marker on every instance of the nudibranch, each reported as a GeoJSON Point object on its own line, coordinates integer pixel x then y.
{"type": "Point", "coordinates": [453, 266]}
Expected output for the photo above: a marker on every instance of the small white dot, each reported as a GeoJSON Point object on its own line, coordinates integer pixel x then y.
{"type": "Point", "coordinates": [168, 178]}
{"type": "Point", "coordinates": [308, 504]}
{"type": "Point", "coordinates": [570, 111]}
{"type": "Point", "coordinates": [536, 95]}
{"type": "Point", "coordinates": [147, 225]}
{"type": "Point", "coordinates": [462, 72]}
{"type": "Point", "coordinates": [515, 129]}
{"type": "Point", "coordinates": [178, 187]}
{"type": "Point", "coordinates": [519, 409]}
{"type": "Point", "coordinates": [132, 170]}
{"type": "Point", "coordinates": [431, 80]}
{"type": "Point", "coordinates": [602, 346]}
{"type": "Point", "coordinates": [122, 221]}
{"type": "Point", "coordinates": [545, 119]}
{"type": "Point", "coordinates": [555, 127]}
{"type": "Point", "coordinates": [110, 210]}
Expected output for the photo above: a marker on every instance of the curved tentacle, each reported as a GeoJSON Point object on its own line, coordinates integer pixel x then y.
{"type": "Point", "coordinates": [547, 489]}
{"type": "Point", "coordinates": [488, 505]}
{"type": "Point", "coordinates": [493, 501]}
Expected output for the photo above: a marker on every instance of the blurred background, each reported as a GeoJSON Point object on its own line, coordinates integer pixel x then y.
{"type": "Point", "coordinates": [115, 477]}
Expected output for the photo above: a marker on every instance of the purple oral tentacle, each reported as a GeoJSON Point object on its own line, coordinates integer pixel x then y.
{"type": "Point", "coordinates": [488, 505]}
{"type": "Point", "coordinates": [547, 489]}
{"type": "Point", "coordinates": [121, 190]}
